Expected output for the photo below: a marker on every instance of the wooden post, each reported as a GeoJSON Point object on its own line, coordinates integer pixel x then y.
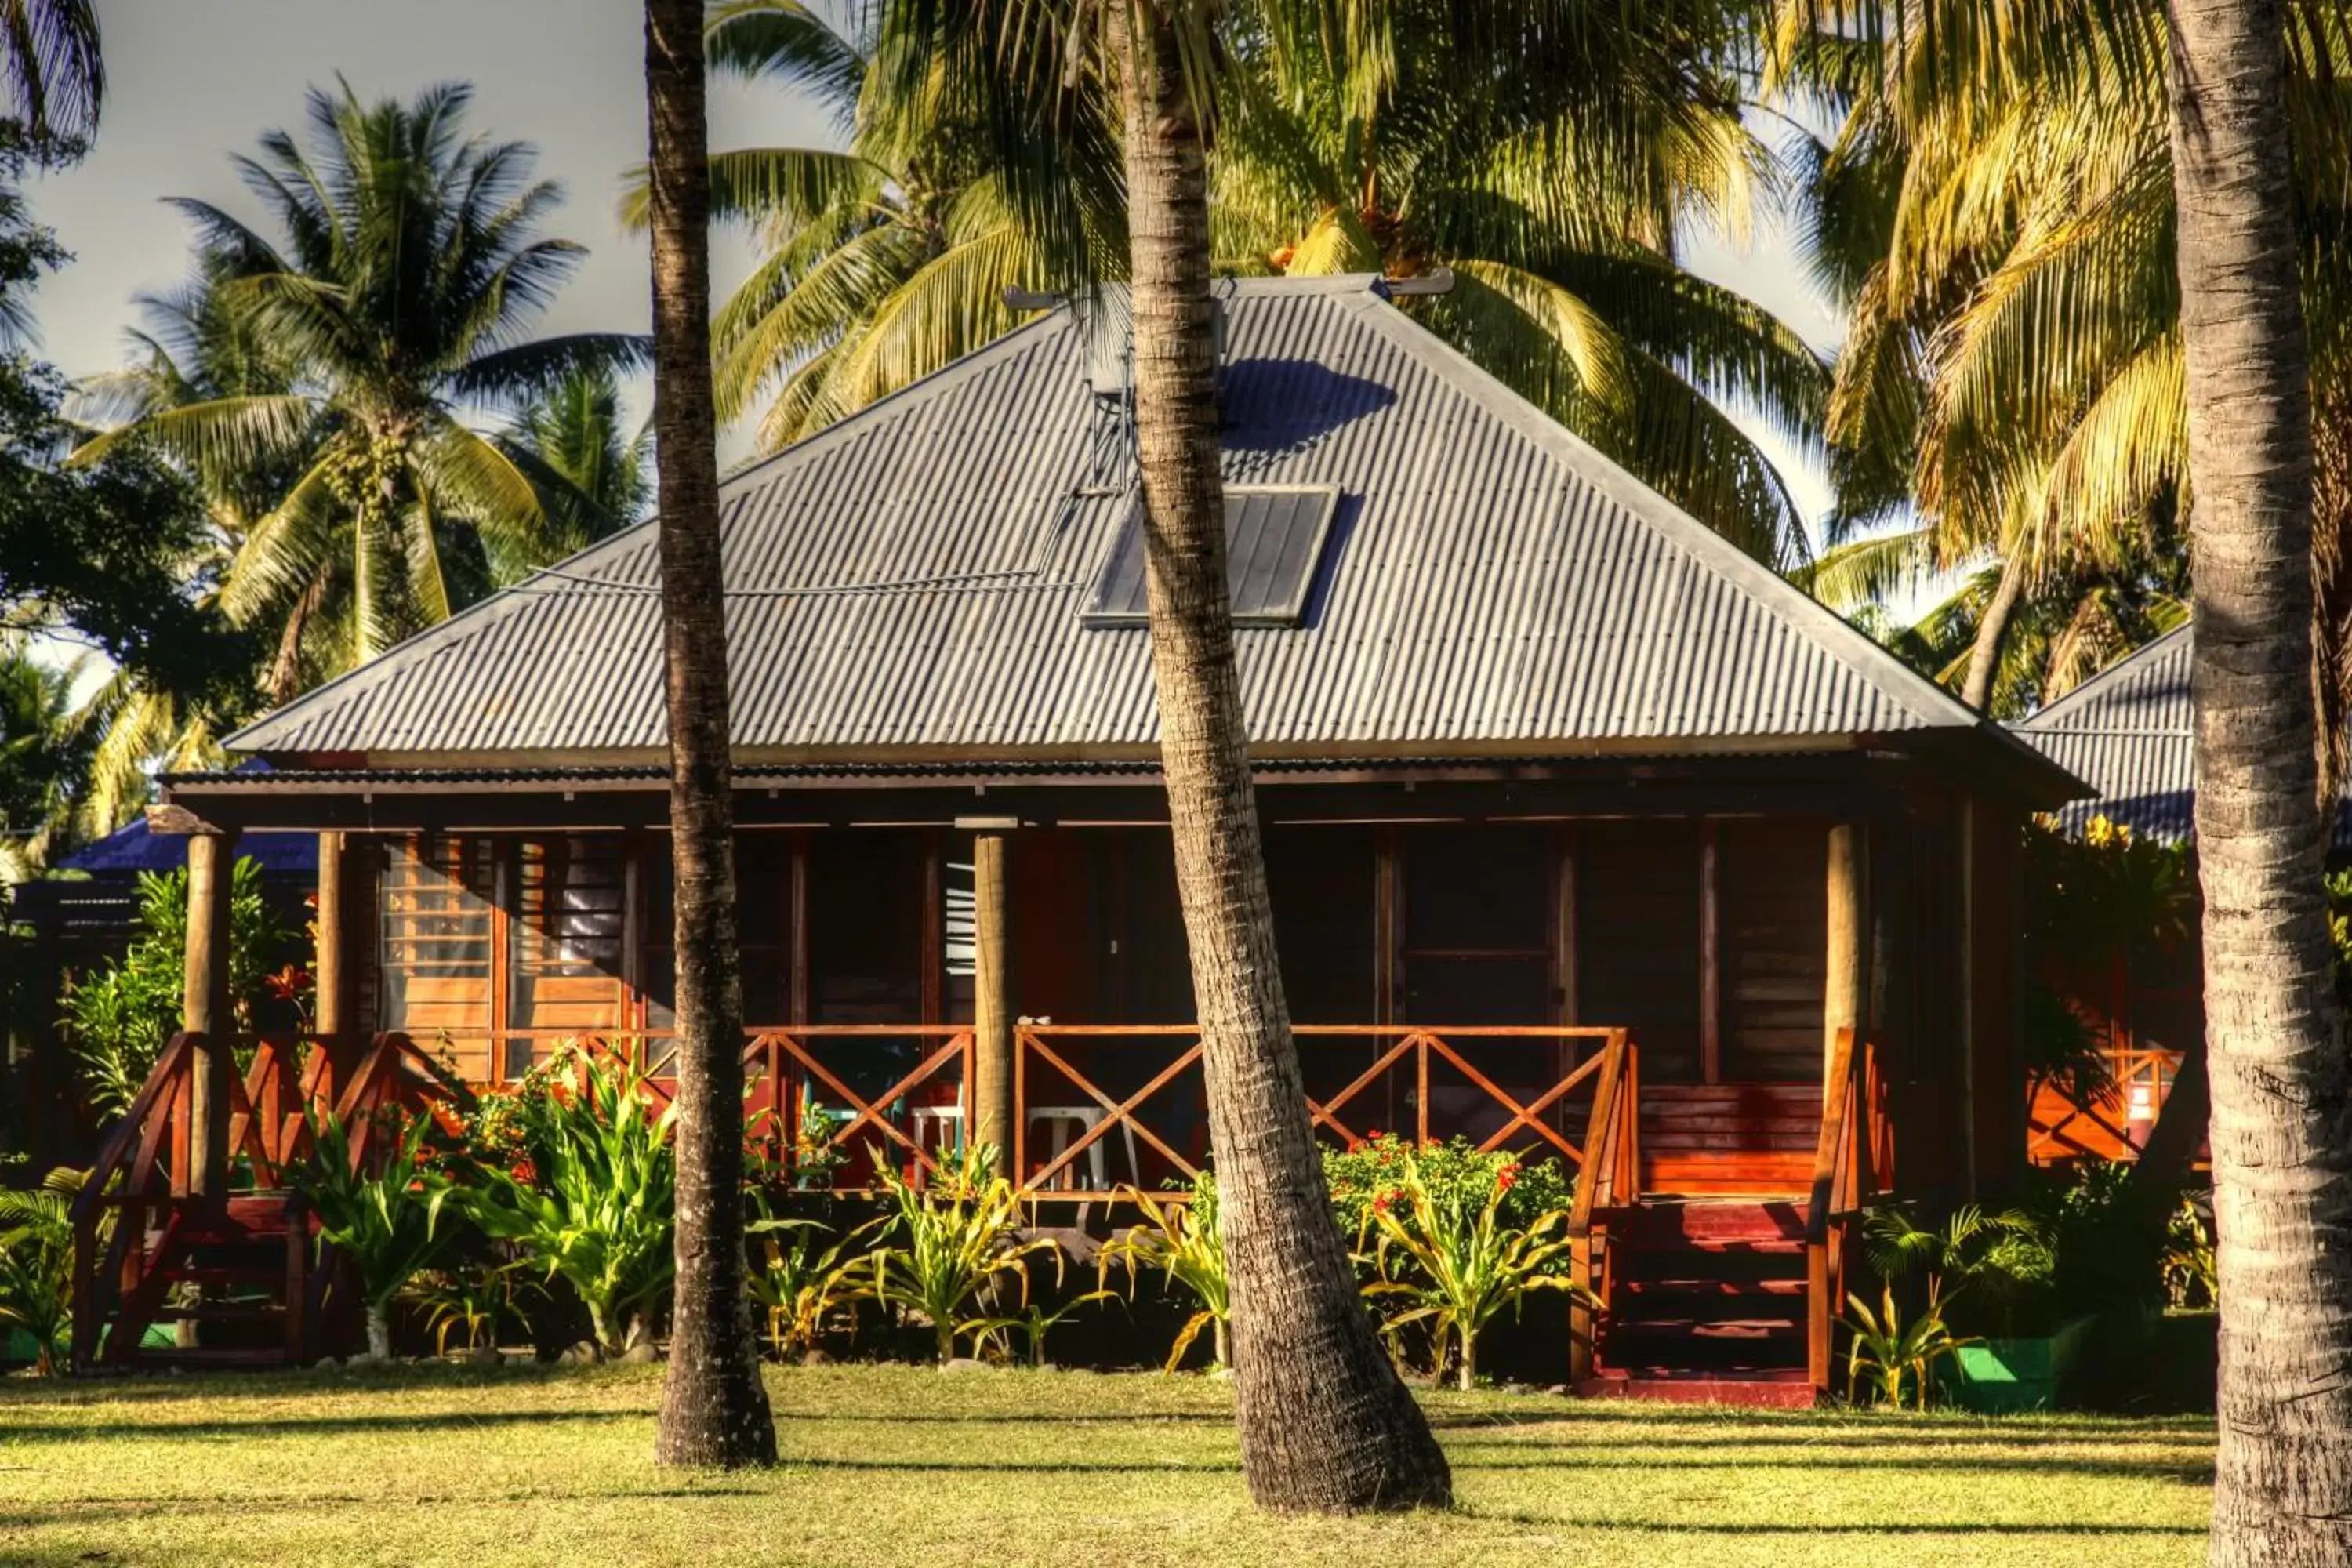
{"type": "Point", "coordinates": [331, 975]}
{"type": "Point", "coordinates": [205, 1008]}
{"type": "Point", "coordinates": [1845, 991]}
{"type": "Point", "coordinates": [993, 1109]}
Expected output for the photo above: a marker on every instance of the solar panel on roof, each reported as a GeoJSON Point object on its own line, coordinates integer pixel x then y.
{"type": "Point", "coordinates": [1275, 536]}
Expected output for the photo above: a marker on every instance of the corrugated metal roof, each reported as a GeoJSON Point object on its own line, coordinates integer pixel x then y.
{"type": "Point", "coordinates": [912, 582]}
{"type": "Point", "coordinates": [2130, 732]}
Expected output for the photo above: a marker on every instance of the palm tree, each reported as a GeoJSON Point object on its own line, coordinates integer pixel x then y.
{"type": "Point", "coordinates": [1999, 213]}
{"type": "Point", "coordinates": [884, 261]}
{"type": "Point", "coordinates": [1556, 205]}
{"type": "Point", "coordinates": [2281, 1083]}
{"type": "Point", "coordinates": [56, 76]}
{"type": "Point", "coordinates": [714, 1409]}
{"type": "Point", "coordinates": [593, 477]}
{"type": "Point", "coordinates": [1326, 1424]}
{"type": "Point", "coordinates": [396, 294]}
{"type": "Point", "coordinates": [1380, 140]}
{"type": "Point", "coordinates": [44, 756]}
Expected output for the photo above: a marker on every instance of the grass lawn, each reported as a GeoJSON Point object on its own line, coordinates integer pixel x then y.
{"type": "Point", "coordinates": [898, 1465]}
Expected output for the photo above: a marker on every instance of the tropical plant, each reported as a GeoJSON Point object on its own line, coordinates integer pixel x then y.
{"type": "Point", "coordinates": [714, 1408]}
{"type": "Point", "coordinates": [803, 1283]}
{"type": "Point", "coordinates": [2255, 345]}
{"type": "Point", "coordinates": [2000, 215]}
{"type": "Point", "coordinates": [1459, 1270]}
{"type": "Point", "coordinates": [470, 1299]}
{"type": "Point", "coordinates": [1384, 139]}
{"type": "Point", "coordinates": [592, 476]}
{"type": "Point", "coordinates": [379, 1208]}
{"type": "Point", "coordinates": [1180, 1241]}
{"type": "Point", "coordinates": [394, 297]}
{"type": "Point", "coordinates": [2000, 1263]}
{"type": "Point", "coordinates": [592, 1196]}
{"type": "Point", "coordinates": [44, 757]}
{"type": "Point", "coordinates": [1325, 1424]}
{"type": "Point", "coordinates": [1459, 1176]}
{"type": "Point", "coordinates": [1032, 1323]}
{"type": "Point", "coordinates": [54, 73]}
{"type": "Point", "coordinates": [1899, 1355]}
{"type": "Point", "coordinates": [37, 1249]}
{"type": "Point", "coordinates": [885, 261]}
{"type": "Point", "coordinates": [118, 1020]}
{"type": "Point", "coordinates": [956, 1241]}
{"type": "Point", "coordinates": [2191, 1277]}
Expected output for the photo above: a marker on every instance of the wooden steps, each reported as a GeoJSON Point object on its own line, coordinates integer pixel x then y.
{"type": "Point", "coordinates": [248, 1259]}
{"type": "Point", "coordinates": [1709, 1303]}
{"type": "Point", "coordinates": [1728, 1138]}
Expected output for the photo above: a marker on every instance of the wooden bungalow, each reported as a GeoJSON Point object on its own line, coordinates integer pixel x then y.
{"type": "Point", "coordinates": [1587, 833]}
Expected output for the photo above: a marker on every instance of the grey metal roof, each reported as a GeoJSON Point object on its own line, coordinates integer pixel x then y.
{"type": "Point", "coordinates": [912, 582]}
{"type": "Point", "coordinates": [2129, 732]}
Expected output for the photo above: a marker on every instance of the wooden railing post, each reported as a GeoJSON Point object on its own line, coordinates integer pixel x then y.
{"type": "Point", "coordinates": [988, 1087]}
{"type": "Point", "coordinates": [206, 1009]}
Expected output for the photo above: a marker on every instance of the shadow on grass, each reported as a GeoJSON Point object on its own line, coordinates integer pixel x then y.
{"type": "Point", "coordinates": [315, 1426]}
{"type": "Point", "coordinates": [2154, 1470]}
{"type": "Point", "coordinates": [1800, 1532]}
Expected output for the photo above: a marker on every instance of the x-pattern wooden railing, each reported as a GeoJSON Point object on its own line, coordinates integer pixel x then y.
{"type": "Point", "coordinates": [784, 1066]}
{"type": "Point", "coordinates": [1397, 1047]}
{"type": "Point", "coordinates": [145, 1178]}
{"type": "Point", "coordinates": [2060, 1129]}
{"type": "Point", "coordinates": [1425, 1046]}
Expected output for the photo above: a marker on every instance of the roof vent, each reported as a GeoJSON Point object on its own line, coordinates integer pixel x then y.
{"type": "Point", "coordinates": [1275, 538]}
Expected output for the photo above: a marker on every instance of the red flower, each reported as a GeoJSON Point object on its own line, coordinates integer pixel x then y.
{"type": "Point", "coordinates": [525, 1172]}
{"type": "Point", "coordinates": [288, 982]}
{"type": "Point", "coordinates": [1380, 1203]}
{"type": "Point", "coordinates": [1505, 1177]}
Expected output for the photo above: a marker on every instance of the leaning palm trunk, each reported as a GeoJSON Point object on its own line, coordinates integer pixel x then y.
{"type": "Point", "coordinates": [1993, 631]}
{"type": "Point", "coordinates": [714, 1409]}
{"type": "Point", "coordinates": [1325, 1423]}
{"type": "Point", "coordinates": [2281, 1118]}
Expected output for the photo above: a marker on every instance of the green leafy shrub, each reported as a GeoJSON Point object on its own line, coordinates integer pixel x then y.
{"type": "Point", "coordinates": [1898, 1355]}
{"type": "Point", "coordinates": [36, 1246]}
{"type": "Point", "coordinates": [801, 1283]}
{"type": "Point", "coordinates": [1459, 1270]}
{"type": "Point", "coordinates": [1180, 1241]}
{"type": "Point", "coordinates": [470, 1299]}
{"type": "Point", "coordinates": [1459, 1179]}
{"type": "Point", "coordinates": [582, 1177]}
{"type": "Point", "coordinates": [118, 1020]}
{"type": "Point", "coordinates": [384, 1216]}
{"type": "Point", "coordinates": [955, 1238]}
{"type": "Point", "coordinates": [2191, 1281]}
{"type": "Point", "coordinates": [1997, 1271]}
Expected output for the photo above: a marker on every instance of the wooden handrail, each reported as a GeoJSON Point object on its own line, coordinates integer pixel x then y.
{"type": "Point", "coordinates": [1853, 1160]}
{"type": "Point", "coordinates": [1609, 1177]}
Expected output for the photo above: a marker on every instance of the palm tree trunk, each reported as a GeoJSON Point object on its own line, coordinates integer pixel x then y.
{"type": "Point", "coordinates": [2281, 1082]}
{"type": "Point", "coordinates": [1993, 631]}
{"type": "Point", "coordinates": [714, 1408]}
{"type": "Point", "coordinates": [1326, 1426]}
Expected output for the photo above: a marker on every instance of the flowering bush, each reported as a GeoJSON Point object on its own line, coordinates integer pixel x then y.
{"type": "Point", "coordinates": [1455, 1271]}
{"type": "Point", "coordinates": [1457, 1177]}
{"type": "Point", "coordinates": [584, 1182]}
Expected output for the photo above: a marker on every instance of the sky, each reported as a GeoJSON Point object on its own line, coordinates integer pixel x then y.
{"type": "Point", "coordinates": [190, 81]}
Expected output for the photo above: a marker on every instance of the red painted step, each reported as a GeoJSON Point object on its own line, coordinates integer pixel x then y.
{"type": "Point", "coordinates": [1755, 1390]}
